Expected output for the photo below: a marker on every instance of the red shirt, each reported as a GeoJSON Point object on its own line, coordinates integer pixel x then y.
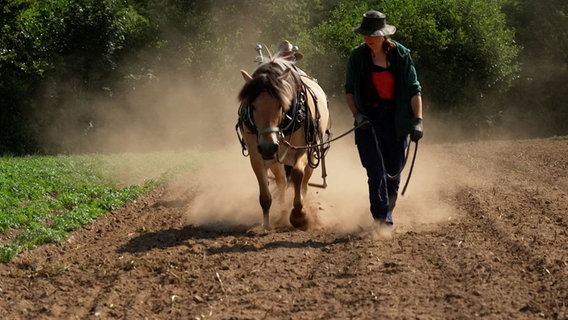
{"type": "Point", "coordinates": [384, 82]}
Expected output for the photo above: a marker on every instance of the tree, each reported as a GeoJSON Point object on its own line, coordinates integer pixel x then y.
{"type": "Point", "coordinates": [537, 96]}
{"type": "Point", "coordinates": [58, 56]}
{"type": "Point", "coordinates": [463, 49]}
{"type": "Point", "coordinates": [45, 44]}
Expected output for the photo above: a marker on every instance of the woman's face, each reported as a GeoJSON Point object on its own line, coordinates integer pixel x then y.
{"type": "Point", "coordinates": [376, 43]}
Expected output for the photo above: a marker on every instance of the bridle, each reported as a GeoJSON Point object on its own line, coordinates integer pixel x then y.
{"type": "Point", "coordinates": [292, 120]}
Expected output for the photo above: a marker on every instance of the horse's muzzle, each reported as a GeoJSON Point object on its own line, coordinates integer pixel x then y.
{"type": "Point", "coordinates": [268, 142]}
{"type": "Point", "coordinates": [268, 151]}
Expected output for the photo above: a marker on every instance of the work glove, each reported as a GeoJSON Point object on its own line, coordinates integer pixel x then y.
{"type": "Point", "coordinates": [362, 121]}
{"type": "Point", "coordinates": [417, 130]}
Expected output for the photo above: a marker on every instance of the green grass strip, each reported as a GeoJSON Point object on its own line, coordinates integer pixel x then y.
{"type": "Point", "coordinates": [42, 198]}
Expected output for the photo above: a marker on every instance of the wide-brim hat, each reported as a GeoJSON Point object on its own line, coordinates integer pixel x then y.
{"type": "Point", "coordinates": [374, 25]}
{"type": "Point", "coordinates": [286, 49]}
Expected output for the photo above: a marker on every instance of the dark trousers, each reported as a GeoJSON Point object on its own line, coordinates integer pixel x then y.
{"type": "Point", "coordinates": [389, 157]}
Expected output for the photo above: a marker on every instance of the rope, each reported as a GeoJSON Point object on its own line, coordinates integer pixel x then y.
{"type": "Point", "coordinates": [411, 167]}
{"type": "Point", "coordinates": [397, 175]}
{"type": "Point", "coordinates": [293, 147]}
{"type": "Point", "coordinates": [391, 177]}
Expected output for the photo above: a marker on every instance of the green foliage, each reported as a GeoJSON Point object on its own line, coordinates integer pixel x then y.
{"type": "Point", "coordinates": [58, 56]}
{"type": "Point", "coordinates": [542, 29]}
{"type": "Point", "coordinates": [329, 43]}
{"type": "Point", "coordinates": [208, 37]}
{"type": "Point", "coordinates": [43, 198]}
{"type": "Point", "coordinates": [47, 45]}
{"type": "Point", "coordinates": [456, 45]}
{"type": "Point", "coordinates": [8, 251]}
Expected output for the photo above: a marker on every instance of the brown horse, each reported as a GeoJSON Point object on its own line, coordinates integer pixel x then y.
{"type": "Point", "coordinates": [283, 119]}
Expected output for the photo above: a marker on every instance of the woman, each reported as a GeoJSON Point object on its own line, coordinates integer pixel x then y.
{"type": "Point", "coordinates": [383, 93]}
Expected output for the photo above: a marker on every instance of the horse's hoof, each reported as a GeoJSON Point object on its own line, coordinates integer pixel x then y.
{"type": "Point", "coordinates": [258, 231]}
{"type": "Point", "coordinates": [299, 219]}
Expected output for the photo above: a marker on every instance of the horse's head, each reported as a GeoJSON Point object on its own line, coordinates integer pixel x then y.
{"type": "Point", "coordinates": [269, 93]}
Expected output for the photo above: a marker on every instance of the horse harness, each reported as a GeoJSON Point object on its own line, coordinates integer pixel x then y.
{"type": "Point", "coordinates": [298, 116]}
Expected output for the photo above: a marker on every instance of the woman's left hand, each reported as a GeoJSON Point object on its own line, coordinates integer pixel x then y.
{"type": "Point", "coordinates": [418, 130]}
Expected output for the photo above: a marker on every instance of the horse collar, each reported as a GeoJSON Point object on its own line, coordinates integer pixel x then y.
{"type": "Point", "coordinates": [294, 118]}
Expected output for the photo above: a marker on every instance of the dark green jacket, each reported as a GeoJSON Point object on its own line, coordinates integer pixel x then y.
{"type": "Point", "coordinates": [406, 81]}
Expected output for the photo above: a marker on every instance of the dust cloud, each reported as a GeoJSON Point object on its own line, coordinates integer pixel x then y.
{"type": "Point", "coordinates": [170, 116]}
{"type": "Point", "coordinates": [228, 192]}
{"type": "Point", "coordinates": [182, 113]}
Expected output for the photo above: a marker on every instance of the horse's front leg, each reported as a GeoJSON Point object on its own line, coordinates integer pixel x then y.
{"type": "Point", "coordinates": [280, 178]}
{"type": "Point", "coordinates": [306, 179]}
{"type": "Point", "coordinates": [265, 198]}
{"type": "Point", "coordinates": [298, 217]}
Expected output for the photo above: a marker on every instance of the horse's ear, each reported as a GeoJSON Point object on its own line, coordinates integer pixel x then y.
{"type": "Point", "coordinates": [246, 76]}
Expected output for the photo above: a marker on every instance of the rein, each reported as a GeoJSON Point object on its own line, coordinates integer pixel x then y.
{"type": "Point", "coordinates": [326, 145]}
{"type": "Point", "coordinates": [391, 177]}
{"type": "Point", "coordinates": [293, 147]}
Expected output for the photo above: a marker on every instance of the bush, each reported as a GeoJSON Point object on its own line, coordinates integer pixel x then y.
{"type": "Point", "coordinates": [59, 49]}
{"type": "Point", "coordinates": [462, 49]}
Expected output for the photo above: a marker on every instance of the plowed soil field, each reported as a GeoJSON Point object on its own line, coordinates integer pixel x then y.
{"type": "Point", "coordinates": [482, 232]}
